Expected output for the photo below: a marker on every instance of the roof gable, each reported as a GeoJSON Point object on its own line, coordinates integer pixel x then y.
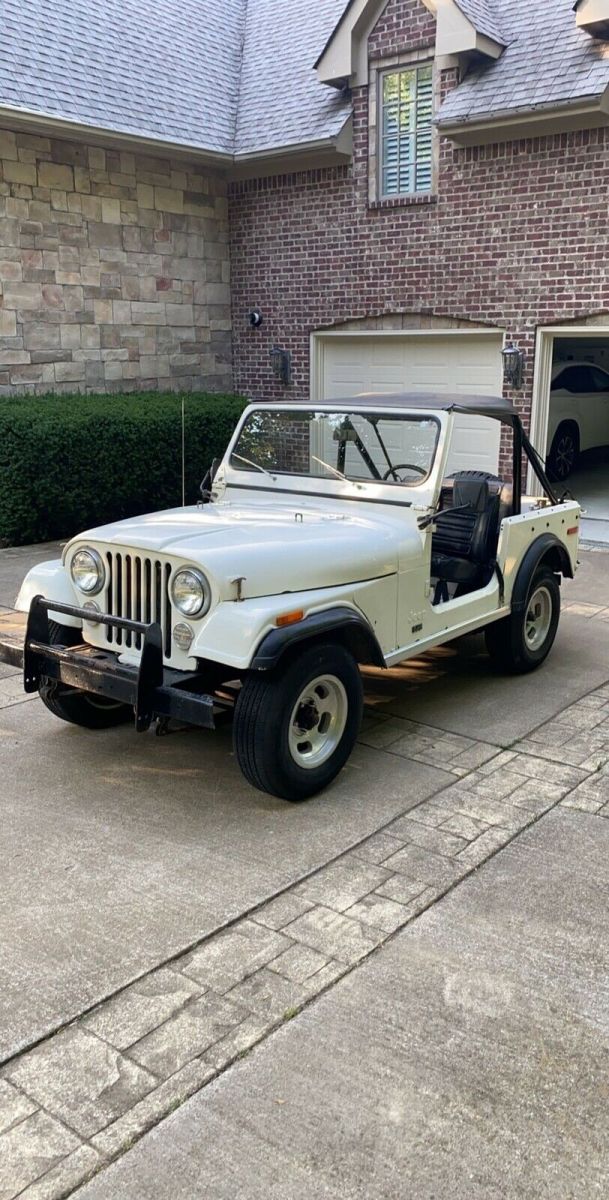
{"type": "Point", "coordinates": [482, 17]}
{"type": "Point", "coordinates": [593, 16]}
{"type": "Point", "coordinates": [466, 29]}
{"type": "Point", "coordinates": [463, 27]}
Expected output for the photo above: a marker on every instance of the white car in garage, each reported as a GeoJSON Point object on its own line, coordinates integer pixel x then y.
{"type": "Point", "coordinates": [579, 415]}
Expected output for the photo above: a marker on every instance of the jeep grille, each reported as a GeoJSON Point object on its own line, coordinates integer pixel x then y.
{"type": "Point", "coordinates": [138, 589]}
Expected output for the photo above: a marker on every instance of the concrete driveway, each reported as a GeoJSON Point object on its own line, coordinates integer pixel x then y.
{"type": "Point", "coordinates": [121, 853]}
{"type": "Point", "coordinates": [467, 1059]}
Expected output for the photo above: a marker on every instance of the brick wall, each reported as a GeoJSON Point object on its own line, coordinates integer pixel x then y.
{"type": "Point", "coordinates": [114, 270]}
{"type": "Point", "coordinates": [517, 236]}
{"type": "Point", "coordinates": [404, 25]}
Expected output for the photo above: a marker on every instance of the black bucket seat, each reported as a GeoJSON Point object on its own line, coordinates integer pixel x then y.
{"type": "Point", "coordinates": [464, 546]}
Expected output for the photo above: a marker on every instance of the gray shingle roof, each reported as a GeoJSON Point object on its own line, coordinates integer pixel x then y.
{"type": "Point", "coordinates": [236, 77]}
{"type": "Point", "coordinates": [171, 69]}
{"type": "Point", "coordinates": [282, 102]}
{"type": "Point", "coordinates": [482, 17]}
{"type": "Point", "coordinates": [547, 61]}
{"type": "Point", "coordinates": [166, 69]}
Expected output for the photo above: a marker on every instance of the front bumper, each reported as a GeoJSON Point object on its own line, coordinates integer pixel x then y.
{"type": "Point", "coordinates": [152, 689]}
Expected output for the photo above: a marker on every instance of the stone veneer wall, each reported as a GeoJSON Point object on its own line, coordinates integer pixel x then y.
{"type": "Point", "coordinates": [114, 270]}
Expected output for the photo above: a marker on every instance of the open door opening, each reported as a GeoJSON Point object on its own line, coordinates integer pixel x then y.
{"type": "Point", "coordinates": [577, 442]}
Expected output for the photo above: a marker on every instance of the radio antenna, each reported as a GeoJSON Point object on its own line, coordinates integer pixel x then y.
{"type": "Point", "coordinates": [183, 452]}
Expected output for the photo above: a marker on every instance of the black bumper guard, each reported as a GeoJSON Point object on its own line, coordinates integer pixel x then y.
{"type": "Point", "coordinates": [151, 688]}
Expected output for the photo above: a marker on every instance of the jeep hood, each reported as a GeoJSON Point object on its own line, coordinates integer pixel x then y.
{"type": "Point", "coordinates": [275, 550]}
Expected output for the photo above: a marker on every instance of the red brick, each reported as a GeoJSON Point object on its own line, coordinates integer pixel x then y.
{"type": "Point", "coordinates": [515, 238]}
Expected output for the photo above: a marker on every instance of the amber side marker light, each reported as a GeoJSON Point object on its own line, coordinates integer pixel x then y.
{"type": "Point", "coordinates": [290, 618]}
{"type": "Point", "coordinates": [573, 529]}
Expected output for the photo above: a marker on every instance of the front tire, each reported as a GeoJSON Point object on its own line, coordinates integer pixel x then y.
{"type": "Point", "coordinates": [295, 729]}
{"type": "Point", "coordinates": [70, 704]}
{"type": "Point", "coordinates": [522, 641]}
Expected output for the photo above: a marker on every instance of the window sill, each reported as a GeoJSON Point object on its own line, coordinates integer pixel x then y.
{"type": "Point", "coordinates": [404, 201]}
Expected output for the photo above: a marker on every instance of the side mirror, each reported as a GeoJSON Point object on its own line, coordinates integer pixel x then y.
{"type": "Point", "coordinates": [207, 484]}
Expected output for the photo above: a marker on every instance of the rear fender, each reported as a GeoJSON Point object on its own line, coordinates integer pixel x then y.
{"type": "Point", "coordinates": [545, 550]}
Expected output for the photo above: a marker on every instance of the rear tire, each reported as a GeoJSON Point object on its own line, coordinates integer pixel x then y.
{"type": "Point", "coordinates": [70, 704]}
{"type": "Point", "coordinates": [295, 729]}
{"type": "Point", "coordinates": [564, 452]}
{"type": "Point", "coordinates": [522, 641]}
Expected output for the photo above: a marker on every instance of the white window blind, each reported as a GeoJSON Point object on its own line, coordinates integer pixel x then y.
{"type": "Point", "coordinates": [406, 116]}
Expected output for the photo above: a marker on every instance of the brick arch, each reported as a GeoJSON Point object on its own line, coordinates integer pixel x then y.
{"type": "Point", "coordinates": [410, 320]}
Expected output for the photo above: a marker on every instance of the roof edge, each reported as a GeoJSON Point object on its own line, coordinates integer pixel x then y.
{"type": "Point", "coordinates": [338, 146]}
{"type": "Point", "coordinates": [31, 120]}
{"type": "Point", "coordinates": [509, 124]}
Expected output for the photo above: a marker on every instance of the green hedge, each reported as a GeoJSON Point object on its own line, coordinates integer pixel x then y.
{"type": "Point", "coordinates": [70, 462]}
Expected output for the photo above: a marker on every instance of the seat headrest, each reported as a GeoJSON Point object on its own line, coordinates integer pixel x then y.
{"type": "Point", "coordinates": [474, 493]}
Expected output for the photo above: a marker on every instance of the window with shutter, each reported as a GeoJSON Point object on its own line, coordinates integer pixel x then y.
{"type": "Point", "coordinates": [406, 105]}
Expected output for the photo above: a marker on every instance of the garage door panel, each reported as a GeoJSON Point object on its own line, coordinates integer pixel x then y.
{"type": "Point", "coordinates": [475, 445]}
{"type": "Point", "coordinates": [430, 363]}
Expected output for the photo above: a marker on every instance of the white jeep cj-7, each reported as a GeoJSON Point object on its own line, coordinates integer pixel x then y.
{"type": "Point", "coordinates": [329, 536]}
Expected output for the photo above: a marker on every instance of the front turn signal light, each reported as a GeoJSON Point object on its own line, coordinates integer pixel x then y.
{"type": "Point", "coordinates": [290, 618]}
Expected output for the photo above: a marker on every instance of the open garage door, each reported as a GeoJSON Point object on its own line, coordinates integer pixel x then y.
{"type": "Point", "coordinates": [570, 418]}
{"type": "Point", "coordinates": [577, 446]}
{"type": "Point", "coordinates": [350, 363]}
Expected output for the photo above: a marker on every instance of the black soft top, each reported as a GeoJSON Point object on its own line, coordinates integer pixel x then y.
{"type": "Point", "coordinates": [484, 406]}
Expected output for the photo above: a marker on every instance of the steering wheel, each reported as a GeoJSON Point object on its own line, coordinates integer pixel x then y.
{"type": "Point", "coordinates": [422, 471]}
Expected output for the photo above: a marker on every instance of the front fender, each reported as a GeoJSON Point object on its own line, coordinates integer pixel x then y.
{"type": "Point", "coordinates": [234, 632]}
{"type": "Point", "coordinates": [342, 623]}
{"type": "Point", "coordinates": [49, 579]}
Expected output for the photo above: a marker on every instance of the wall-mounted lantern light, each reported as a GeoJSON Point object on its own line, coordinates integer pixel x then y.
{"type": "Point", "coordinates": [513, 366]}
{"type": "Point", "coordinates": [281, 362]}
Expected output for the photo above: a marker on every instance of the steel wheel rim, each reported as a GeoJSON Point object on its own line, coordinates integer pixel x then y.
{"type": "Point", "coordinates": [317, 722]}
{"type": "Point", "coordinates": [565, 455]}
{"type": "Point", "coordinates": [538, 619]}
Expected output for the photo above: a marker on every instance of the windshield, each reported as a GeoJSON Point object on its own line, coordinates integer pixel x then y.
{"type": "Point", "coordinates": [356, 446]}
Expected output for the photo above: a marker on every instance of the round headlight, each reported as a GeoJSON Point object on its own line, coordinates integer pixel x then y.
{"type": "Point", "coordinates": [190, 592]}
{"type": "Point", "coordinates": [87, 570]}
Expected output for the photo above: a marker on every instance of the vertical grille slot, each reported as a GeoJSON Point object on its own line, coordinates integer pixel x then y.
{"type": "Point", "coordinates": [138, 590]}
{"type": "Point", "coordinates": [119, 594]}
{"type": "Point", "coordinates": [167, 625]}
{"type": "Point", "coordinates": [128, 599]}
{"type": "Point", "coordinates": [147, 590]}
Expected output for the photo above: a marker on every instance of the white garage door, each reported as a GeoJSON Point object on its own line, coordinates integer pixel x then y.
{"type": "Point", "coordinates": [431, 363]}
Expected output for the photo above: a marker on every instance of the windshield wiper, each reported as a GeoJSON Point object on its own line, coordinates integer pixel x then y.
{"type": "Point", "coordinates": [334, 470]}
{"type": "Point", "coordinates": [249, 462]}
